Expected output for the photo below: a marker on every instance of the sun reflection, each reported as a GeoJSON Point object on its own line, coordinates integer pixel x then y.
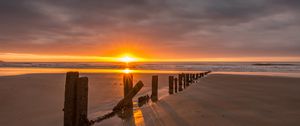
{"type": "Point", "coordinates": [127, 71]}
{"type": "Point", "coordinates": [138, 118]}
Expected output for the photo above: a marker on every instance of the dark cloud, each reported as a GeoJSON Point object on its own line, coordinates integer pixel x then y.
{"type": "Point", "coordinates": [222, 28]}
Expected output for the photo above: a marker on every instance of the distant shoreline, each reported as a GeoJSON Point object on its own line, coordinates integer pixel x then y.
{"type": "Point", "coordinates": [273, 64]}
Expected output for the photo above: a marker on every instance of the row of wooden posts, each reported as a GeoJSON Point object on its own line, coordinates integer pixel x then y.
{"type": "Point", "coordinates": [177, 84]}
{"type": "Point", "coordinates": [76, 95]}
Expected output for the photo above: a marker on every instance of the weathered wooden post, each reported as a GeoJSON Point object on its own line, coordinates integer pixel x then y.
{"type": "Point", "coordinates": [171, 78]}
{"type": "Point", "coordinates": [128, 85]}
{"type": "Point", "coordinates": [184, 80]}
{"type": "Point", "coordinates": [175, 85]}
{"type": "Point", "coordinates": [180, 82]}
{"type": "Point", "coordinates": [194, 77]}
{"type": "Point", "coordinates": [187, 76]}
{"type": "Point", "coordinates": [76, 100]}
{"type": "Point", "coordinates": [128, 98]}
{"type": "Point", "coordinates": [69, 105]}
{"type": "Point", "coordinates": [81, 101]}
{"type": "Point", "coordinates": [122, 104]}
{"type": "Point", "coordinates": [154, 95]}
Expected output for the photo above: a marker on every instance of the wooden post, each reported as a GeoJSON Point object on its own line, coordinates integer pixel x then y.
{"type": "Point", "coordinates": [128, 85]}
{"type": "Point", "coordinates": [81, 101]}
{"type": "Point", "coordinates": [180, 82]}
{"type": "Point", "coordinates": [128, 98]}
{"type": "Point", "coordinates": [154, 95]}
{"type": "Point", "coordinates": [187, 76]}
{"type": "Point", "coordinates": [194, 76]}
{"type": "Point", "coordinates": [69, 105]}
{"type": "Point", "coordinates": [122, 104]}
{"type": "Point", "coordinates": [171, 78]}
{"type": "Point", "coordinates": [175, 85]}
{"type": "Point", "coordinates": [184, 80]}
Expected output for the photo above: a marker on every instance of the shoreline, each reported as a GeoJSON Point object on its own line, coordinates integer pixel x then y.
{"type": "Point", "coordinates": [11, 71]}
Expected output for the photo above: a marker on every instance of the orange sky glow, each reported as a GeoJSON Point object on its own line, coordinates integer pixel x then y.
{"type": "Point", "coordinates": [152, 31]}
{"type": "Point", "coordinates": [127, 57]}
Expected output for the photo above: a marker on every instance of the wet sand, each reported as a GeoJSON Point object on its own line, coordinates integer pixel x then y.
{"type": "Point", "coordinates": [37, 100]}
{"type": "Point", "coordinates": [230, 100]}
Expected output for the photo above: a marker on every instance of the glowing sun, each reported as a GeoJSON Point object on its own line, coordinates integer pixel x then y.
{"type": "Point", "coordinates": [127, 59]}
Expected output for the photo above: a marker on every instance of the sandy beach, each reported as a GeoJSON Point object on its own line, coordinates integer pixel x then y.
{"type": "Point", "coordinates": [219, 99]}
{"type": "Point", "coordinates": [231, 100]}
{"type": "Point", "coordinates": [38, 99]}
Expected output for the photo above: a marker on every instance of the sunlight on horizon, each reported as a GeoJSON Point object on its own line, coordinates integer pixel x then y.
{"type": "Point", "coordinates": [127, 59]}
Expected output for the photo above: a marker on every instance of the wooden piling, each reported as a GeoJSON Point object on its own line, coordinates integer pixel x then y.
{"type": "Point", "coordinates": [184, 80]}
{"type": "Point", "coordinates": [154, 95]}
{"type": "Point", "coordinates": [69, 105]}
{"type": "Point", "coordinates": [171, 78]}
{"type": "Point", "coordinates": [175, 84]}
{"type": "Point", "coordinates": [187, 76]}
{"type": "Point", "coordinates": [180, 82]}
{"type": "Point", "coordinates": [128, 98]}
{"type": "Point", "coordinates": [128, 85]}
{"type": "Point", "coordinates": [81, 101]}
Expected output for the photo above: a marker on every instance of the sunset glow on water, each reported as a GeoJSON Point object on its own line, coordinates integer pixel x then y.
{"type": "Point", "coordinates": [21, 71]}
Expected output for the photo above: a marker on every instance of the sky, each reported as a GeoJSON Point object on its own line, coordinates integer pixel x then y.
{"type": "Point", "coordinates": [162, 30]}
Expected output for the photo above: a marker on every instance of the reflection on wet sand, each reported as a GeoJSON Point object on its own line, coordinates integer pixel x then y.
{"type": "Point", "coordinates": [132, 116]}
{"type": "Point", "coordinates": [138, 117]}
{"type": "Point", "coordinates": [9, 71]}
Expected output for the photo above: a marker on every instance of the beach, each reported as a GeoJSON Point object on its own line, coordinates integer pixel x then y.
{"type": "Point", "coordinates": [231, 100]}
{"type": "Point", "coordinates": [218, 99]}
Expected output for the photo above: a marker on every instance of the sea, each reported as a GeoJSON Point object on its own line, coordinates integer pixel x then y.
{"type": "Point", "coordinates": [268, 68]}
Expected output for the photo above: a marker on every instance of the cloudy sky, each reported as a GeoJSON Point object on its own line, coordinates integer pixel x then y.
{"type": "Point", "coordinates": [174, 29]}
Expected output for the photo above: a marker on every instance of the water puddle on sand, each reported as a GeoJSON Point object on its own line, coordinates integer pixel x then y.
{"type": "Point", "coordinates": [138, 117]}
{"type": "Point", "coordinates": [135, 117]}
